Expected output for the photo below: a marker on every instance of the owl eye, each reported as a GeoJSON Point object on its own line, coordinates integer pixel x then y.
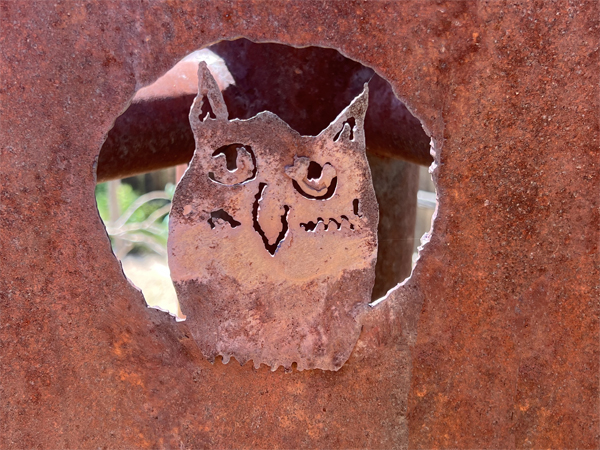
{"type": "Point", "coordinates": [312, 180]}
{"type": "Point", "coordinates": [232, 165]}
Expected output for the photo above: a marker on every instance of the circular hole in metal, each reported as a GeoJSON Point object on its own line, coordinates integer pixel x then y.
{"type": "Point", "coordinates": [307, 88]}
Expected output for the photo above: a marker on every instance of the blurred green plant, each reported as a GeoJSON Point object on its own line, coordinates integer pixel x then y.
{"type": "Point", "coordinates": [134, 221]}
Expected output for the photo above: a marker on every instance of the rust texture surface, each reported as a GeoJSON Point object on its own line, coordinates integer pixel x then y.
{"type": "Point", "coordinates": [492, 343]}
{"type": "Point", "coordinates": [273, 236]}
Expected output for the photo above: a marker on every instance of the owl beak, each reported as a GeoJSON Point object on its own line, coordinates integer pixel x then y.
{"type": "Point", "coordinates": [270, 217]}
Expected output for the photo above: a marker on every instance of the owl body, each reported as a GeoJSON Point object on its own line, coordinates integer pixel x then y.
{"type": "Point", "coordinates": [272, 236]}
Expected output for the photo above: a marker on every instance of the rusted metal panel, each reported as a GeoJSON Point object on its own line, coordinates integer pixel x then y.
{"type": "Point", "coordinates": [493, 343]}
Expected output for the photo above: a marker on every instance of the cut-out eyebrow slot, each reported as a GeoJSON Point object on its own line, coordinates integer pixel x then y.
{"type": "Point", "coordinates": [206, 112]}
{"type": "Point", "coordinates": [222, 215]}
{"type": "Point", "coordinates": [271, 248]}
{"type": "Point", "coordinates": [327, 195]}
{"type": "Point", "coordinates": [352, 122]}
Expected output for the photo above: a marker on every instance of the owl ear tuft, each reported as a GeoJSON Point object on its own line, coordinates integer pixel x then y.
{"type": "Point", "coordinates": [209, 103]}
{"type": "Point", "coordinates": [349, 125]}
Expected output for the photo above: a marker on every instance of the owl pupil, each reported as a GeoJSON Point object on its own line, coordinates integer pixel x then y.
{"type": "Point", "coordinates": [230, 152]}
{"type": "Point", "coordinates": [314, 171]}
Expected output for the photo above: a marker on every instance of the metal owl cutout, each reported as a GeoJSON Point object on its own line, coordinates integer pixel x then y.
{"type": "Point", "coordinates": [273, 236]}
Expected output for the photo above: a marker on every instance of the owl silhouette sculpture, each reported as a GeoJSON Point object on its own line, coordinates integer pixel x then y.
{"type": "Point", "coordinates": [273, 236]}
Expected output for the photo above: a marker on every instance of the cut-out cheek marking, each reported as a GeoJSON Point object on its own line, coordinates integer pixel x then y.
{"type": "Point", "coordinates": [311, 227]}
{"type": "Point", "coordinates": [222, 215]}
